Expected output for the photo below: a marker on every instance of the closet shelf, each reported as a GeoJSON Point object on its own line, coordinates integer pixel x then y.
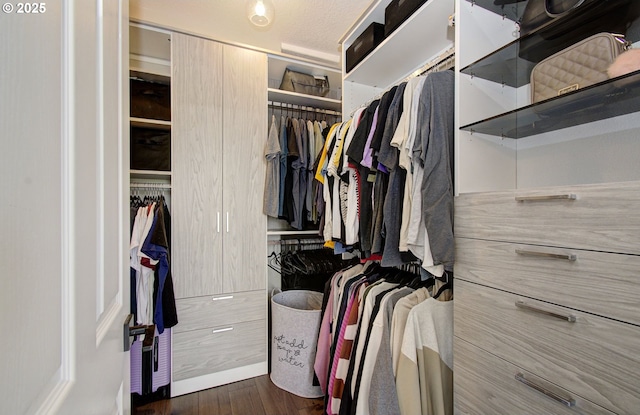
{"type": "Point", "coordinates": [149, 174]}
{"type": "Point", "coordinates": [295, 98]}
{"type": "Point", "coordinates": [150, 123]}
{"type": "Point", "coordinates": [511, 11]}
{"type": "Point", "coordinates": [615, 97]}
{"type": "Point", "coordinates": [505, 66]}
{"type": "Point", "coordinates": [405, 49]}
{"type": "Point", "coordinates": [291, 233]}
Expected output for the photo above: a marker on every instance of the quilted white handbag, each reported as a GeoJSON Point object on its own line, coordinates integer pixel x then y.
{"type": "Point", "coordinates": [582, 64]}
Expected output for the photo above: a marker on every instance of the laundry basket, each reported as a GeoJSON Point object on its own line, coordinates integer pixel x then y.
{"type": "Point", "coordinates": [295, 320]}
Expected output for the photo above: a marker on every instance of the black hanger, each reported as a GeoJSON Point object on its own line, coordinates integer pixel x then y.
{"type": "Point", "coordinates": [448, 285]}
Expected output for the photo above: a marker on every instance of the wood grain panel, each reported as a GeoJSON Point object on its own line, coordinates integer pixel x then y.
{"type": "Point", "coordinates": [486, 384]}
{"type": "Point", "coordinates": [593, 357]}
{"type": "Point", "coordinates": [201, 352]}
{"type": "Point", "coordinates": [602, 218]}
{"type": "Point", "coordinates": [600, 283]}
{"type": "Point", "coordinates": [210, 311]}
{"type": "Point", "coordinates": [245, 132]}
{"type": "Point", "coordinates": [196, 163]}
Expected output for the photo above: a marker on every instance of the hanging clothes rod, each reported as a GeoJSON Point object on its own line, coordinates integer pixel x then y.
{"type": "Point", "coordinates": [444, 61]}
{"type": "Point", "coordinates": [296, 107]}
{"type": "Point", "coordinates": [150, 186]}
{"type": "Point", "coordinates": [285, 242]}
{"type": "Point", "coordinates": [446, 58]}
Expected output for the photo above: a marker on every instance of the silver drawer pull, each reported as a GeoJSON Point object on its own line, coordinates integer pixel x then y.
{"type": "Point", "coordinates": [226, 297]}
{"type": "Point", "coordinates": [568, 196]}
{"type": "Point", "coordinates": [214, 331]}
{"type": "Point", "coordinates": [570, 318]}
{"type": "Point", "coordinates": [567, 257]}
{"type": "Point", "coordinates": [570, 402]}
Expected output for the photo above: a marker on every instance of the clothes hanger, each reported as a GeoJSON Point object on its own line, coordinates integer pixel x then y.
{"type": "Point", "coordinates": [447, 286]}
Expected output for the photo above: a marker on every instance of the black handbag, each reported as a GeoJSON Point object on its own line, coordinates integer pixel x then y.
{"type": "Point", "coordinates": [549, 26]}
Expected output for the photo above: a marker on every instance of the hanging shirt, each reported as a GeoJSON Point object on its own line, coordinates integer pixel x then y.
{"type": "Point", "coordinates": [321, 176]}
{"type": "Point", "coordinates": [392, 208]}
{"type": "Point", "coordinates": [351, 223]}
{"type": "Point", "coordinates": [383, 397]}
{"type": "Point", "coordinates": [283, 164]}
{"type": "Point", "coordinates": [403, 140]}
{"type": "Point", "coordinates": [272, 152]}
{"type": "Point", "coordinates": [156, 247]}
{"type": "Point", "coordinates": [435, 150]}
{"type": "Point", "coordinates": [310, 173]}
{"type": "Point", "coordinates": [373, 350]}
{"type": "Point", "coordinates": [425, 368]}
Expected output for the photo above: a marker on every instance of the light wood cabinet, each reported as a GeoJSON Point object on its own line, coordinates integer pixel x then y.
{"type": "Point", "coordinates": [244, 134]}
{"type": "Point", "coordinates": [487, 384]}
{"type": "Point", "coordinates": [588, 355]}
{"type": "Point", "coordinates": [546, 228]}
{"type": "Point", "coordinates": [196, 101]}
{"type": "Point", "coordinates": [218, 235]}
{"type": "Point", "coordinates": [602, 283]}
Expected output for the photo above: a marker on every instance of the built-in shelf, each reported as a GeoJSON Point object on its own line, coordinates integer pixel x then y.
{"type": "Point", "coordinates": [502, 66]}
{"type": "Point", "coordinates": [511, 10]}
{"type": "Point", "coordinates": [512, 64]}
{"type": "Point", "coordinates": [295, 98]}
{"type": "Point", "coordinates": [292, 233]}
{"type": "Point", "coordinates": [150, 123]}
{"type": "Point", "coordinates": [150, 174]}
{"type": "Point", "coordinates": [397, 56]}
{"type": "Point", "coordinates": [615, 97]}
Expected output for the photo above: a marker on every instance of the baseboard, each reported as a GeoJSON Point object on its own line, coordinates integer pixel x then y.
{"type": "Point", "coordinates": [182, 387]}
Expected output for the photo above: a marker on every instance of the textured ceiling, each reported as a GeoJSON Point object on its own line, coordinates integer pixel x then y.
{"type": "Point", "coordinates": [315, 25]}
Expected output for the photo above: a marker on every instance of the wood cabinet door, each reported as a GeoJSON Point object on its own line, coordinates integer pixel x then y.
{"type": "Point", "coordinates": [245, 133]}
{"type": "Point", "coordinates": [197, 221]}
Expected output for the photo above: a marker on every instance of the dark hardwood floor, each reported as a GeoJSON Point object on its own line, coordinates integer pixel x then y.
{"type": "Point", "coordinates": [256, 396]}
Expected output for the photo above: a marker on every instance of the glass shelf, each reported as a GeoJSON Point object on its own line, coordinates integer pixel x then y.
{"type": "Point", "coordinates": [502, 66]}
{"type": "Point", "coordinates": [507, 65]}
{"type": "Point", "coordinates": [618, 96]}
{"type": "Point", "coordinates": [512, 11]}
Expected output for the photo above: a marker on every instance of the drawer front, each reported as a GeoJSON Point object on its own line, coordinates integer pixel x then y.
{"type": "Point", "coordinates": [486, 384]}
{"type": "Point", "coordinates": [210, 311]}
{"type": "Point", "coordinates": [593, 357]}
{"type": "Point", "coordinates": [202, 352]}
{"type": "Point", "coordinates": [600, 283]}
{"type": "Point", "coordinates": [601, 218]}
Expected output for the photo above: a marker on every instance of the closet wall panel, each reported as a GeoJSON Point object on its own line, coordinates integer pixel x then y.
{"type": "Point", "coordinates": [196, 102]}
{"type": "Point", "coordinates": [218, 238]}
{"type": "Point", "coordinates": [245, 112]}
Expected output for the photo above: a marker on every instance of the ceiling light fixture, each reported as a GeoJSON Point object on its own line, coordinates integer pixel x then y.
{"type": "Point", "coordinates": [260, 12]}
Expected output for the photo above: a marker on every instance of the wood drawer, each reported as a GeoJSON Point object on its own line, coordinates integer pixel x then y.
{"type": "Point", "coordinates": [600, 283]}
{"type": "Point", "coordinates": [212, 310]}
{"type": "Point", "coordinates": [202, 352]}
{"type": "Point", "coordinates": [601, 218]}
{"type": "Point", "coordinates": [486, 384]}
{"type": "Point", "coordinates": [593, 357]}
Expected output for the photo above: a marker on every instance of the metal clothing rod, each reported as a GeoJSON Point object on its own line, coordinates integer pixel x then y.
{"type": "Point", "coordinates": [444, 58]}
{"type": "Point", "coordinates": [297, 242]}
{"type": "Point", "coordinates": [432, 66]}
{"type": "Point", "coordinates": [284, 105]}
